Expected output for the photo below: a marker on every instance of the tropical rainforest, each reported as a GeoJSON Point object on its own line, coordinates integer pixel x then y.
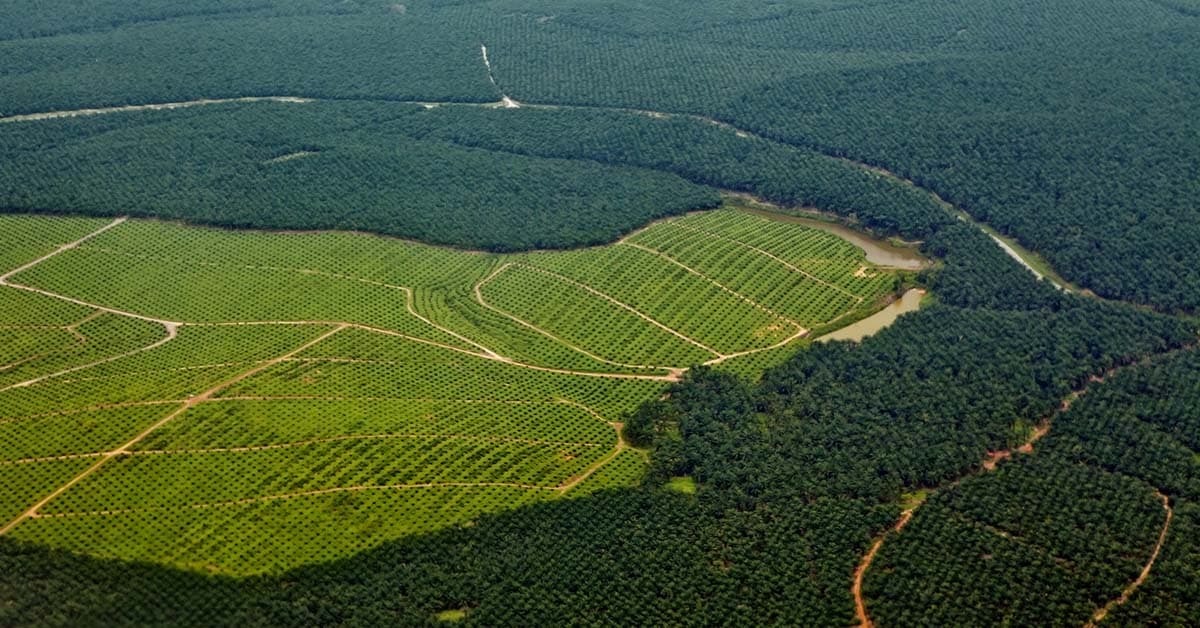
{"type": "Point", "coordinates": [1019, 451]}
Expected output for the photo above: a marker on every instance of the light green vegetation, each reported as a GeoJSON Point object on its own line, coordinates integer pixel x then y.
{"type": "Point", "coordinates": [803, 275]}
{"type": "Point", "coordinates": [682, 484]}
{"type": "Point", "coordinates": [30, 350]}
{"type": "Point", "coordinates": [910, 501]}
{"type": "Point", "coordinates": [247, 402]}
{"type": "Point", "coordinates": [23, 484]}
{"type": "Point", "coordinates": [454, 614]}
{"type": "Point", "coordinates": [625, 469]}
{"type": "Point", "coordinates": [27, 238]}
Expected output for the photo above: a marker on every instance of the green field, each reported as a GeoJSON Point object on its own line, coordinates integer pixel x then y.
{"type": "Point", "coordinates": [246, 402]}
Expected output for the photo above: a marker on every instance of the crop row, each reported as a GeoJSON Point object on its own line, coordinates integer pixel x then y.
{"type": "Point", "coordinates": [38, 352]}
{"type": "Point", "coordinates": [21, 307]}
{"type": "Point", "coordinates": [569, 311]}
{"type": "Point", "coordinates": [75, 432]}
{"type": "Point", "coordinates": [404, 368]}
{"type": "Point", "coordinates": [624, 470]}
{"type": "Point", "coordinates": [520, 342]}
{"type": "Point", "coordinates": [192, 291]}
{"type": "Point", "coordinates": [20, 344]}
{"type": "Point", "coordinates": [821, 254]}
{"type": "Point", "coordinates": [196, 360]}
{"type": "Point", "coordinates": [787, 290]}
{"type": "Point", "coordinates": [272, 536]}
{"type": "Point", "coordinates": [24, 238]}
{"type": "Point", "coordinates": [421, 371]}
{"type": "Point", "coordinates": [364, 256]}
{"type": "Point", "coordinates": [22, 485]}
{"type": "Point", "coordinates": [205, 477]}
{"type": "Point", "coordinates": [679, 298]}
{"type": "Point", "coordinates": [238, 423]}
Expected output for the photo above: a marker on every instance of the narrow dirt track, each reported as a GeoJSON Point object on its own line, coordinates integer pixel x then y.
{"type": "Point", "coordinates": [578, 479]}
{"type": "Point", "coordinates": [13, 365]}
{"type": "Point", "coordinates": [110, 310]}
{"type": "Point", "coordinates": [621, 445]}
{"type": "Point", "coordinates": [990, 463]}
{"type": "Point", "coordinates": [66, 247]}
{"type": "Point", "coordinates": [629, 308]}
{"type": "Point", "coordinates": [358, 326]}
{"type": "Point", "coordinates": [73, 328]}
{"type": "Point", "coordinates": [20, 461]}
{"type": "Point", "coordinates": [779, 345]}
{"type": "Point", "coordinates": [1103, 611]}
{"type": "Point", "coordinates": [172, 333]}
{"type": "Point", "coordinates": [693, 271]}
{"type": "Point", "coordinates": [50, 115]}
{"type": "Point", "coordinates": [505, 101]}
{"type": "Point", "coordinates": [93, 408]}
{"type": "Point", "coordinates": [860, 606]}
{"type": "Point", "coordinates": [479, 298]}
{"type": "Point", "coordinates": [772, 256]}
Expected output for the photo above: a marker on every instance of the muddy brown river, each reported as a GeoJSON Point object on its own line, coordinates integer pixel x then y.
{"type": "Point", "coordinates": [869, 326]}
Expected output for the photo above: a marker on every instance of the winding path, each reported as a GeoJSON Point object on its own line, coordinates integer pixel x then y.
{"type": "Point", "coordinates": [860, 573]}
{"type": "Point", "coordinates": [988, 464]}
{"type": "Point", "coordinates": [1103, 611]}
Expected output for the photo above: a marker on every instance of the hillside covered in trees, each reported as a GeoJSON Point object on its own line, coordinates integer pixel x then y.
{"type": "Point", "coordinates": [1010, 454]}
{"type": "Point", "coordinates": [1069, 125]}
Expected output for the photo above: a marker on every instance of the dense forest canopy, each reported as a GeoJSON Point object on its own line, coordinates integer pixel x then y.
{"type": "Point", "coordinates": [352, 166]}
{"type": "Point", "coordinates": [1070, 125]}
{"type": "Point", "coordinates": [1010, 454]}
{"type": "Point", "coordinates": [462, 176]}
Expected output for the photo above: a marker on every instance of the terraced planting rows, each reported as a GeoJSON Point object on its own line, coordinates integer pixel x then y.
{"type": "Point", "coordinates": [249, 402]}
